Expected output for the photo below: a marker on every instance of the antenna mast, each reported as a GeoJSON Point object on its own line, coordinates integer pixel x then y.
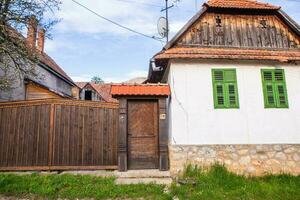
{"type": "Point", "coordinates": [167, 17]}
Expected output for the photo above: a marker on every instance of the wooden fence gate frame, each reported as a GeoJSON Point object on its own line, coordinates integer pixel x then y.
{"type": "Point", "coordinates": [53, 103]}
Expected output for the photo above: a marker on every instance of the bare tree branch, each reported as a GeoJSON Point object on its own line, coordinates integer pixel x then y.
{"type": "Point", "coordinates": [15, 54]}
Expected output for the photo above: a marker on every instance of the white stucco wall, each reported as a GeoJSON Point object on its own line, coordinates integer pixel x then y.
{"type": "Point", "coordinates": [194, 120]}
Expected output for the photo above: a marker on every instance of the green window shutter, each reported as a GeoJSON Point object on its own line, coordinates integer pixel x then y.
{"type": "Point", "coordinates": [232, 95]}
{"type": "Point", "coordinates": [274, 87]}
{"type": "Point", "coordinates": [225, 88]}
{"type": "Point", "coordinates": [220, 95]}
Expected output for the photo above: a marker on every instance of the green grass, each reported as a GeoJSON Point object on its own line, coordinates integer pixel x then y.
{"type": "Point", "coordinates": [217, 183]}
{"type": "Point", "coordinates": [71, 187]}
{"type": "Point", "coordinates": [214, 184]}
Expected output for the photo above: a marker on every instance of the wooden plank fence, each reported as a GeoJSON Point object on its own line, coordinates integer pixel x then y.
{"type": "Point", "coordinates": [58, 135]}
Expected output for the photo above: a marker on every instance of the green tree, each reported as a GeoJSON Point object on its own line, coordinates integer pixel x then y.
{"type": "Point", "coordinates": [97, 79]}
{"type": "Point", "coordinates": [16, 58]}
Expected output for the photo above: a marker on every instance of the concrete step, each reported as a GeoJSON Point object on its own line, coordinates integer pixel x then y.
{"type": "Point", "coordinates": [143, 174]}
{"type": "Point", "coordinates": [129, 181]}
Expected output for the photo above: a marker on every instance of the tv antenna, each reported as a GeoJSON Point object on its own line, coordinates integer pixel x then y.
{"type": "Point", "coordinates": [166, 9]}
{"type": "Point", "coordinates": [162, 27]}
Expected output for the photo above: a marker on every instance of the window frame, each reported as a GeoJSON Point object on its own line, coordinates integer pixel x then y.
{"type": "Point", "coordinates": [274, 83]}
{"type": "Point", "coordinates": [225, 83]}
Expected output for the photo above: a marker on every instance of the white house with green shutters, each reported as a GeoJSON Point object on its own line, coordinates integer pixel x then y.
{"type": "Point", "coordinates": [234, 74]}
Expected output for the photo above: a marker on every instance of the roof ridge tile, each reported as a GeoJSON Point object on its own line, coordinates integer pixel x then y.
{"type": "Point", "coordinates": [240, 4]}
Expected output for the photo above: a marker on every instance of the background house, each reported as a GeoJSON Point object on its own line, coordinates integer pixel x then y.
{"type": "Point", "coordinates": [137, 80]}
{"type": "Point", "coordinates": [51, 80]}
{"type": "Point", "coordinates": [95, 92]}
{"type": "Point", "coordinates": [234, 73]}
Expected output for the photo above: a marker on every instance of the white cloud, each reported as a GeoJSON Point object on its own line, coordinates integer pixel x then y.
{"type": "Point", "coordinates": [135, 16]}
{"type": "Point", "coordinates": [114, 79]}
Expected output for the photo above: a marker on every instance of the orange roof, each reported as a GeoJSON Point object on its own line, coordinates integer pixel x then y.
{"type": "Point", "coordinates": [105, 91]}
{"type": "Point", "coordinates": [141, 90]}
{"type": "Point", "coordinates": [81, 84]}
{"type": "Point", "coordinates": [241, 4]}
{"type": "Point", "coordinates": [47, 60]}
{"type": "Point", "coordinates": [230, 53]}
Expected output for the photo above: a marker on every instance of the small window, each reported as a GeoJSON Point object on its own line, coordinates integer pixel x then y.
{"type": "Point", "coordinates": [88, 95]}
{"type": "Point", "coordinates": [274, 88]}
{"type": "Point", "coordinates": [225, 88]}
{"type": "Point", "coordinates": [218, 21]}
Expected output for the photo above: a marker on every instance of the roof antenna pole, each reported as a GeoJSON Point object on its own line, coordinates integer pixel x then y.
{"type": "Point", "coordinates": [167, 17]}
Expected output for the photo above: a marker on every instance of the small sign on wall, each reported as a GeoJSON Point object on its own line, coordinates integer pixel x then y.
{"type": "Point", "coordinates": [162, 116]}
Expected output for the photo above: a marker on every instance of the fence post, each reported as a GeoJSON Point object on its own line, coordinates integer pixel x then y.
{"type": "Point", "coordinates": [51, 132]}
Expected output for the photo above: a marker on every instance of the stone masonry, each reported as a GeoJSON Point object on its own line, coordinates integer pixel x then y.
{"type": "Point", "coordinates": [254, 160]}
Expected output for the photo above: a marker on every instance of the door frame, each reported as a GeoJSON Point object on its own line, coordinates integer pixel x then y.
{"type": "Point", "coordinates": [163, 135]}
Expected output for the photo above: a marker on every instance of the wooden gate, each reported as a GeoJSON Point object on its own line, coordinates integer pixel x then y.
{"type": "Point", "coordinates": [58, 135]}
{"type": "Point", "coordinates": [142, 134]}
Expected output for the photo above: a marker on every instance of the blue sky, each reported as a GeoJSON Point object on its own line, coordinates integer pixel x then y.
{"type": "Point", "coordinates": [85, 45]}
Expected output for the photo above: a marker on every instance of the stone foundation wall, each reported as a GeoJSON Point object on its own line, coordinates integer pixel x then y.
{"type": "Point", "coordinates": [242, 159]}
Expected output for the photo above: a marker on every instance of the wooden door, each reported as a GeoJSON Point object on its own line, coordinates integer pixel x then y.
{"type": "Point", "coordinates": [142, 134]}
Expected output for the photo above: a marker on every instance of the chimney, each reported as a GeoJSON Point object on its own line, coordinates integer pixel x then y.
{"type": "Point", "coordinates": [41, 40]}
{"type": "Point", "coordinates": [31, 32]}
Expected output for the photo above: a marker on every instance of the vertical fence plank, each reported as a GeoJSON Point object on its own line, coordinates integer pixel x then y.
{"type": "Point", "coordinates": [12, 147]}
{"type": "Point", "coordinates": [21, 136]}
{"type": "Point", "coordinates": [2, 137]}
{"type": "Point", "coordinates": [51, 133]}
{"type": "Point", "coordinates": [18, 121]}
{"type": "Point", "coordinates": [71, 135]}
{"type": "Point", "coordinates": [37, 135]}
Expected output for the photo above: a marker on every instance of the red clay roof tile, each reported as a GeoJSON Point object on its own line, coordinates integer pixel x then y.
{"type": "Point", "coordinates": [141, 90]}
{"type": "Point", "coordinates": [81, 84]}
{"type": "Point", "coordinates": [105, 91]}
{"type": "Point", "coordinates": [229, 53]}
{"type": "Point", "coordinates": [240, 4]}
{"type": "Point", "coordinates": [47, 60]}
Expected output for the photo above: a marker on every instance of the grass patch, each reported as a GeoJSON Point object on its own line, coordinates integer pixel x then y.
{"type": "Point", "coordinates": [218, 183]}
{"type": "Point", "coordinates": [75, 186]}
{"type": "Point", "coordinates": [213, 184]}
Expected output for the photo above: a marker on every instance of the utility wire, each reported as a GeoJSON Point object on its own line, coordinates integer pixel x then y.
{"type": "Point", "coordinates": [116, 23]}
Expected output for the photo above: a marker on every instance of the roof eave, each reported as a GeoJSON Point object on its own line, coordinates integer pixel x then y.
{"type": "Point", "coordinates": [287, 19]}
{"type": "Point", "coordinates": [45, 66]}
{"type": "Point", "coordinates": [61, 94]}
